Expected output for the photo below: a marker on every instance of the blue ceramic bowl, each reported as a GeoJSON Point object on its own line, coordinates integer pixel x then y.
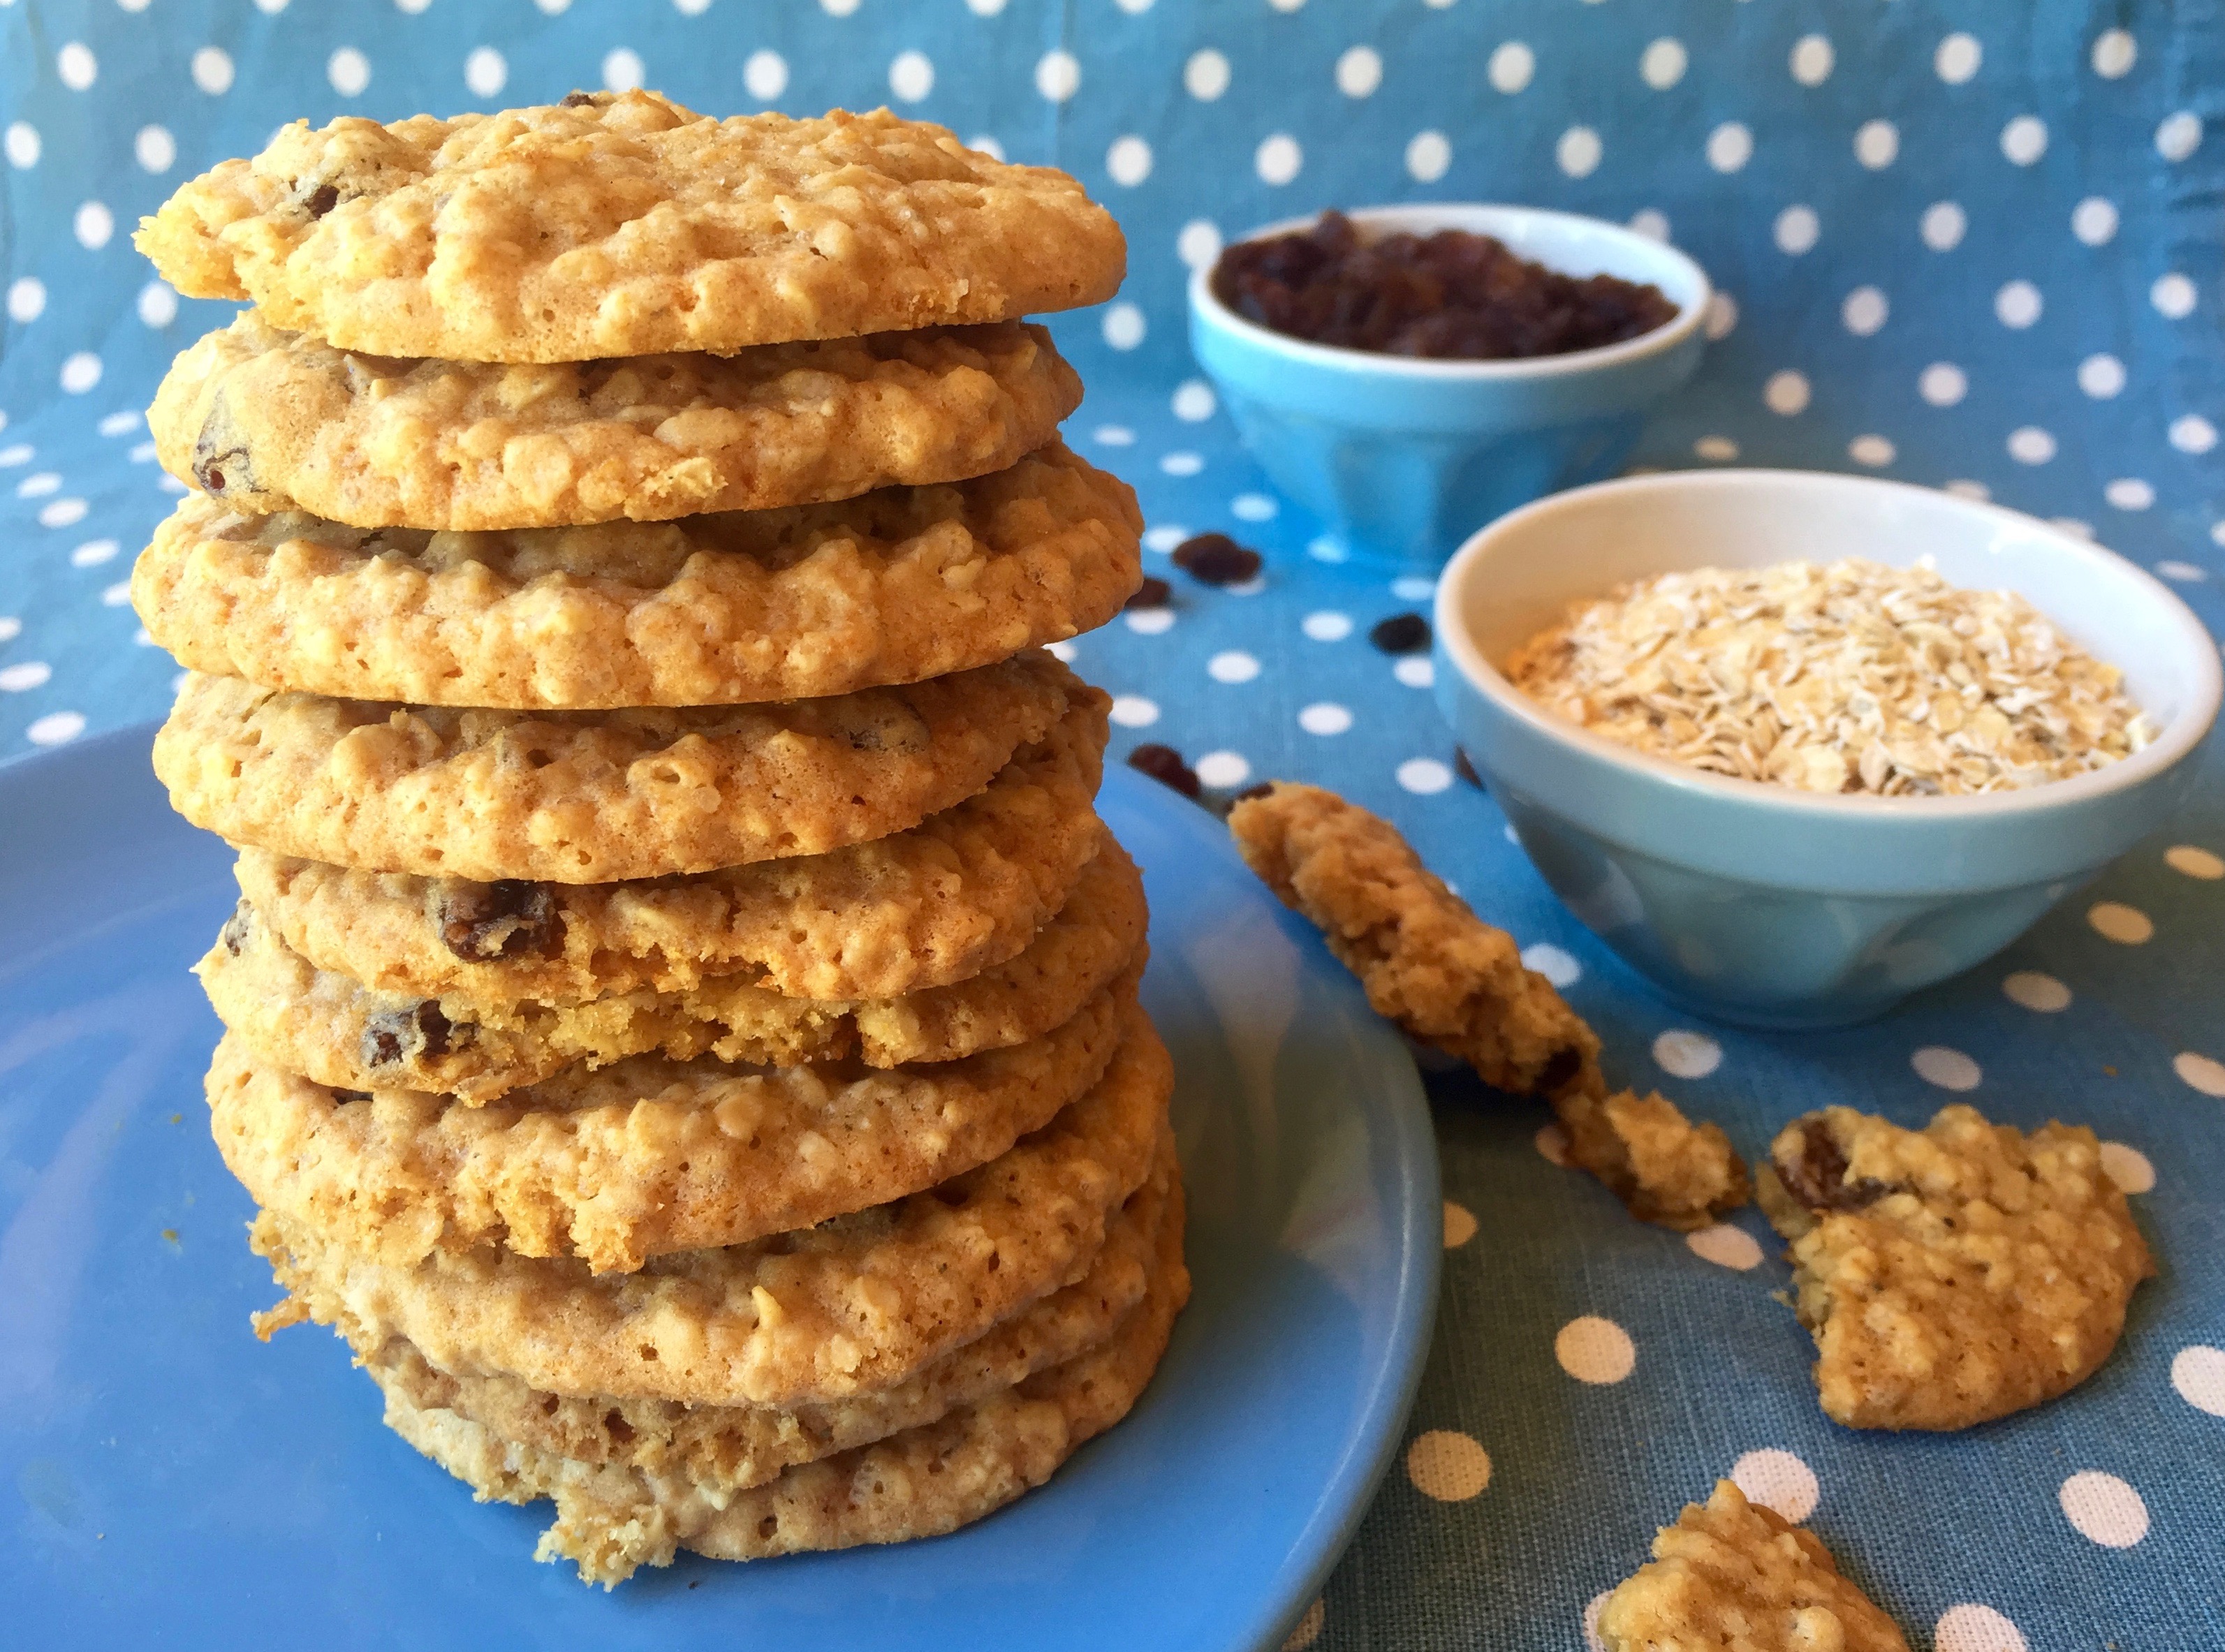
{"type": "Point", "coordinates": [1760, 904]}
{"type": "Point", "coordinates": [1403, 458]}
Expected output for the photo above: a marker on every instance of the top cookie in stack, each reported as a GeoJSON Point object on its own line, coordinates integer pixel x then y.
{"type": "Point", "coordinates": [621, 547]}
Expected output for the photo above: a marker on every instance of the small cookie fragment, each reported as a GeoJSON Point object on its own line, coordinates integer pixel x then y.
{"type": "Point", "coordinates": [1953, 1274]}
{"type": "Point", "coordinates": [1427, 962]}
{"type": "Point", "coordinates": [1662, 1166]}
{"type": "Point", "coordinates": [1452, 980]}
{"type": "Point", "coordinates": [1731, 1576]}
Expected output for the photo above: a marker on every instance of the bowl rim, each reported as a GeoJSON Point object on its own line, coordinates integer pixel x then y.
{"type": "Point", "coordinates": [1671, 334]}
{"type": "Point", "coordinates": [2174, 742]}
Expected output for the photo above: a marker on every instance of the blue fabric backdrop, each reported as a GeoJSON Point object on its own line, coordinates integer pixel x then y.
{"type": "Point", "coordinates": [1971, 244]}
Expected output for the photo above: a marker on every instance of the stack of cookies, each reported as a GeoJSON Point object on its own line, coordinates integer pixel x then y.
{"type": "Point", "coordinates": [681, 1019]}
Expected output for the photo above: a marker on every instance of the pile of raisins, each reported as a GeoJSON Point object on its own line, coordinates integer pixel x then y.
{"type": "Point", "coordinates": [1451, 295]}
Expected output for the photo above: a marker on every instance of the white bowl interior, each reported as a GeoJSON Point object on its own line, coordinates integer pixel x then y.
{"type": "Point", "coordinates": [1527, 567]}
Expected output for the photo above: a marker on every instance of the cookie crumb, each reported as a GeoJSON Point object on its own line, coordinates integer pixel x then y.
{"type": "Point", "coordinates": [1457, 984]}
{"type": "Point", "coordinates": [1734, 1573]}
{"type": "Point", "coordinates": [1662, 1166]}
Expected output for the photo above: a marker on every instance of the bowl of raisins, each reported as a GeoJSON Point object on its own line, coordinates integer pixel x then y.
{"type": "Point", "coordinates": [1409, 373]}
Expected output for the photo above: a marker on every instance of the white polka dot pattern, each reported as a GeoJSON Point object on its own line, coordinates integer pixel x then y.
{"type": "Point", "coordinates": [1947, 253]}
{"type": "Point", "coordinates": [1972, 1627]}
{"type": "Point", "coordinates": [1779, 1481]}
{"type": "Point", "coordinates": [1596, 1351]}
{"type": "Point", "coordinates": [1447, 1466]}
{"type": "Point", "coordinates": [2105, 1509]}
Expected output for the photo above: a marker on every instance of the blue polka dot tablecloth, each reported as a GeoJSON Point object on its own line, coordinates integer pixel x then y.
{"type": "Point", "coordinates": [1969, 243]}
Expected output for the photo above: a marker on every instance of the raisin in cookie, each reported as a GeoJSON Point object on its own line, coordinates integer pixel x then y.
{"type": "Point", "coordinates": [337, 1031]}
{"type": "Point", "coordinates": [271, 421]}
{"type": "Point", "coordinates": [589, 797]}
{"type": "Point", "coordinates": [1731, 1574]}
{"type": "Point", "coordinates": [854, 1306]}
{"type": "Point", "coordinates": [642, 1158]}
{"type": "Point", "coordinates": [961, 892]}
{"type": "Point", "coordinates": [1953, 1274]}
{"type": "Point", "coordinates": [897, 586]}
{"type": "Point", "coordinates": [623, 225]}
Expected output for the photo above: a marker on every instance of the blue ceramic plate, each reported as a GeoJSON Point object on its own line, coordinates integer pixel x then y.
{"type": "Point", "coordinates": [170, 1481]}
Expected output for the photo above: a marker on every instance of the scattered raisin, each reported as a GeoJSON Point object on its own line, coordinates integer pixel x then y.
{"type": "Point", "coordinates": [1262, 789]}
{"type": "Point", "coordinates": [1164, 764]}
{"type": "Point", "coordinates": [510, 918]}
{"type": "Point", "coordinates": [1401, 634]}
{"type": "Point", "coordinates": [1152, 594]}
{"type": "Point", "coordinates": [578, 99]}
{"type": "Point", "coordinates": [1216, 559]}
{"type": "Point", "coordinates": [1452, 294]}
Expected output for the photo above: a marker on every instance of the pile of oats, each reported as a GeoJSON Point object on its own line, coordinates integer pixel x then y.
{"type": "Point", "coordinates": [1851, 678]}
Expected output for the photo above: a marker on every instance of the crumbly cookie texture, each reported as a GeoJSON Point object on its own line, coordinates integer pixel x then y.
{"type": "Point", "coordinates": [623, 225]}
{"type": "Point", "coordinates": [338, 1032]}
{"type": "Point", "coordinates": [1452, 980]}
{"type": "Point", "coordinates": [641, 1159]}
{"type": "Point", "coordinates": [1953, 1274]}
{"type": "Point", "coordinates": [965, 891]}
{"type": "Point", "coordinates": [738, 1446]}
{"type": "Point", "coordinates": [854, 1306]}
{"type": "Point", "coordinates": [1427, 962]}
{"type": "Point", "coordinates": [1662, 1166]}
{"type": "Point", "coordinates": [588, 797]}
{"type": "Point", "coordinates": [919, 1482]}
{"type": "Point", "coordinates": [891, 587]}
{"type": "Point", "coordinates": [270, 421]}
{"type": "Point", "coordinates": [1732, 1576]}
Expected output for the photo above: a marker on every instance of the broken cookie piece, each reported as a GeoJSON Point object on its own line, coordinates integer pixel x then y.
{"type": "Point", "coordinates": [1734, 1574]}
{"type": "Point", "coordinates": [1427, 961]}
{"type": "Point", "coordinates": [1662, 1166]}
{"type": "Point", "coordinates": [1953, 1274]}
{"type": "Point", "coordinates": [1457, 984]}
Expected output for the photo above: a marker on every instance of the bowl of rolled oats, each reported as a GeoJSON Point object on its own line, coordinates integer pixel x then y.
{"type": "Point", "coordinates": [1796, 744]}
